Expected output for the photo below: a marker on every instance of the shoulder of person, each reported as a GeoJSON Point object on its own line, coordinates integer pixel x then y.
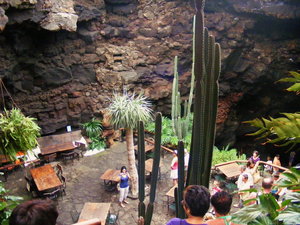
{"type": "Point", "coordinates": [174, 221]}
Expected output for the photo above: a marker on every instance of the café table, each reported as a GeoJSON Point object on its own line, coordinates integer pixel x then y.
{"type": "Point", "coordinates": [61, 147]}
{"type": "Point", "coordinates": [111, 179]}
{"type": "Point", "coordinates": [45, 178]}
{"type": "Point", "coordinates": [170, 195]}
{"type": "Point", "coordinates": [93, 210]}
{"type": "Point", "coordinates": [149, 165]}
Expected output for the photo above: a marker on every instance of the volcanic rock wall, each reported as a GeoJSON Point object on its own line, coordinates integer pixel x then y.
{"type": "Point", "coordinates": [62, 60]}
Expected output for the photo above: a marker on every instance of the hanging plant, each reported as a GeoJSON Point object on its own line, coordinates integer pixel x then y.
{"type": "Point", "coordinates": [17, 133]}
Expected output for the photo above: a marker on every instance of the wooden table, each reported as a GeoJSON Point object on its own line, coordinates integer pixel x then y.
{"type": "Point", "coordinates": [45, 177]}
{"type": "Point", "coordinates": [93, 210]}
{"type": "Point", "coordinates": [230, 170]}
{"type": "Point", "coordinates": [67, 146]}
{"type": "Point", "coordinates": [170, 194]}
{"type": "Point", "coordinates": [147, 148]}
{"type": "Point", "coordinates": [111, 179]}
{"type": "Point", "coordinates": [149, 165]}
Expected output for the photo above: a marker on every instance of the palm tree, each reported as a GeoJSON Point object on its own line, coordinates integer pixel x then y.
{"type": "Point", "coordinates": [125, 112]}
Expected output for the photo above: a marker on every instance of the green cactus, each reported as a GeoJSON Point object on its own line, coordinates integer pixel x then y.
{"type": "Point", "coordinates": [207, 71]}
{"type": "Point", "coordinates": [181, 123]}
{"type": "Point", "coordinates": [141, 168]}
{"type": "Point", "coordinates": [154, 174]}
{"type": "Point", "coordinates": [181, 179]}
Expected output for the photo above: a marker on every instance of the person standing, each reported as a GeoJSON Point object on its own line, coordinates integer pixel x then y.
{"type": "Point", "coordinates": [174, 168]}
{"type": "Point", "coordinates": [124, 186]}
{"type": "Point", "coordinates": [276, 162]}
{"type": "Point", "coordinates": [186, 162]}
{"type": "Point", "coordinates": [255, 157]}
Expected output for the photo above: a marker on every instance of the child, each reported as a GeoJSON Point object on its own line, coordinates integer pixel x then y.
{"type": "Point", "coordinates": [216, 187]}
{"type": "Point", "coordinates": [268, 168]}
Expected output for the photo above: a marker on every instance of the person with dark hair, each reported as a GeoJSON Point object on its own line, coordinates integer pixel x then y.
{"type": "Point", "coordinates": [196, 201]}
{"type": "Point", "coordinates": [34, 212]}
{"type": "Point", "coordinates": [124, 186]}
{"type": "Point", "coordinates": [255, 157]}
{"type": "Point", "coordinates": [221, 202]}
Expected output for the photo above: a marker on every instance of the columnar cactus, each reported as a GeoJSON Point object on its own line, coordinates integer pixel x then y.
{"type": "Point", "coordinates": [155, 169]}
{"type": "Point", "coordinates": [181, 123]}
{"type": "Point", "coordinates": [207, 71]}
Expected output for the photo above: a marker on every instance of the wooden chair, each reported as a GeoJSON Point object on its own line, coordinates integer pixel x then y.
{"type": "Point", "coordinates": [63, 188]}
{"type": "Point", "coordinates": [112, 219]}
{"type": "Point", "coordinates": [69, 156]}
{"type": "Point", "coordinates": [53, 194]}
{"type": "Point", "coordinates": [50, 158]}
{"type": "Point", "coordinates": [59, 170]}
{"type": "Point", "coordinates": [31, 186]}
{"type": "Point", "coordinates": [80, 148]}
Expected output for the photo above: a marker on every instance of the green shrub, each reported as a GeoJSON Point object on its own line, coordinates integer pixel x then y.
{"type": "Point", "coordinates": [97, 143]}
{"type": "Point", "coordinates": [225, 155]}
{"type": "Point", "coordinates": [93, 128]}
{"type": "Point", "coordinates": [7, 204]}
{"type": "Point", "coordinates": [168, 135]}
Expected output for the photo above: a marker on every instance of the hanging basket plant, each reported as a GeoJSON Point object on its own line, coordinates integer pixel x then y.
{"type": "Point", "coordinates": [17, 133]}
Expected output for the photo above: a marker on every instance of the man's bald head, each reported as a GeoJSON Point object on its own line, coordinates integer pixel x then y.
{"type": "Point", "coordinates": [267, 183]}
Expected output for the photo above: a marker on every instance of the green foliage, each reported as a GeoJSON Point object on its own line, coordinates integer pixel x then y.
{"type": "Point", "coordinates": [7, 204]}
{"type": "Point", "coordinates": [282, 131]}
{"type": "Point", "coordinates": [269, 211]}
{"type": "Point", "coordinates": [126, 110]}
{"type": "Point", "coordinates": [17, 133]}
{"type": "Point", "coordinates": [93, 128]}
{"type": "Point", "coordinates": [295, 79]}
{"type": "Point", "coordinates": [97, 143]}
{"type": "Point", "coordinates": [291, 179]}
{"type": "Point", "coordinates": [168, 135]}
{"type": "Point", "coordinates": [226, 155]}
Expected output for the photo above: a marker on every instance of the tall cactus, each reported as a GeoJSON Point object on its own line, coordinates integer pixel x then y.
{"type": "Point", "coordinates": [181, 123]}
{"type": "Point", "coordinates": [181, 179]}
{"type": "Point", "coordinates": [207, 71]}
{"type": "Point", "coordinates": [154, 174]}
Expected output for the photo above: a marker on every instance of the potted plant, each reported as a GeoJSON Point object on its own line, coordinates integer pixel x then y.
{"type": "Point", "coordinates": [17, 133]}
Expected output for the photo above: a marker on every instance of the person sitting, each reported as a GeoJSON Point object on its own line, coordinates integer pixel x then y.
{"type": "Point", "coordinates": [221, 202]}
{"type": "Point", "coordinates": [243, 171]}
{"type": "Point", "coordinates": [34, 212]}
{"type": "Point", "coordinates": [196, 201]}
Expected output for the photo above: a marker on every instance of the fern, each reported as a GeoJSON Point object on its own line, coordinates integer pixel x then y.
{"type": "Point", "coordinates": [225, 155]}
{"type": "Point", "coordinates": [282, 131]}
{"type": "Point", "coordinates": [295, 79]}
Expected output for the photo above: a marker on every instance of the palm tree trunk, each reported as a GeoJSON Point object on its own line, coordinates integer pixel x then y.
{"type": "Point", "coordinates": [131, 162]}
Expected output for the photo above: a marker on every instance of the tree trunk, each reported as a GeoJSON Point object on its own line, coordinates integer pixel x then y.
{"type": "Point", "coordinates": [131, 162]}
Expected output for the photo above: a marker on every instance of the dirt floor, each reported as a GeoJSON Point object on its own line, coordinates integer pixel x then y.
{"type": "Point", "coordinates": [84, 185]}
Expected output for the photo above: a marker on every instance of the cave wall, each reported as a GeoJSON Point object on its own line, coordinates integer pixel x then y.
{"type": "Point", "coordinates": [64, 75]}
